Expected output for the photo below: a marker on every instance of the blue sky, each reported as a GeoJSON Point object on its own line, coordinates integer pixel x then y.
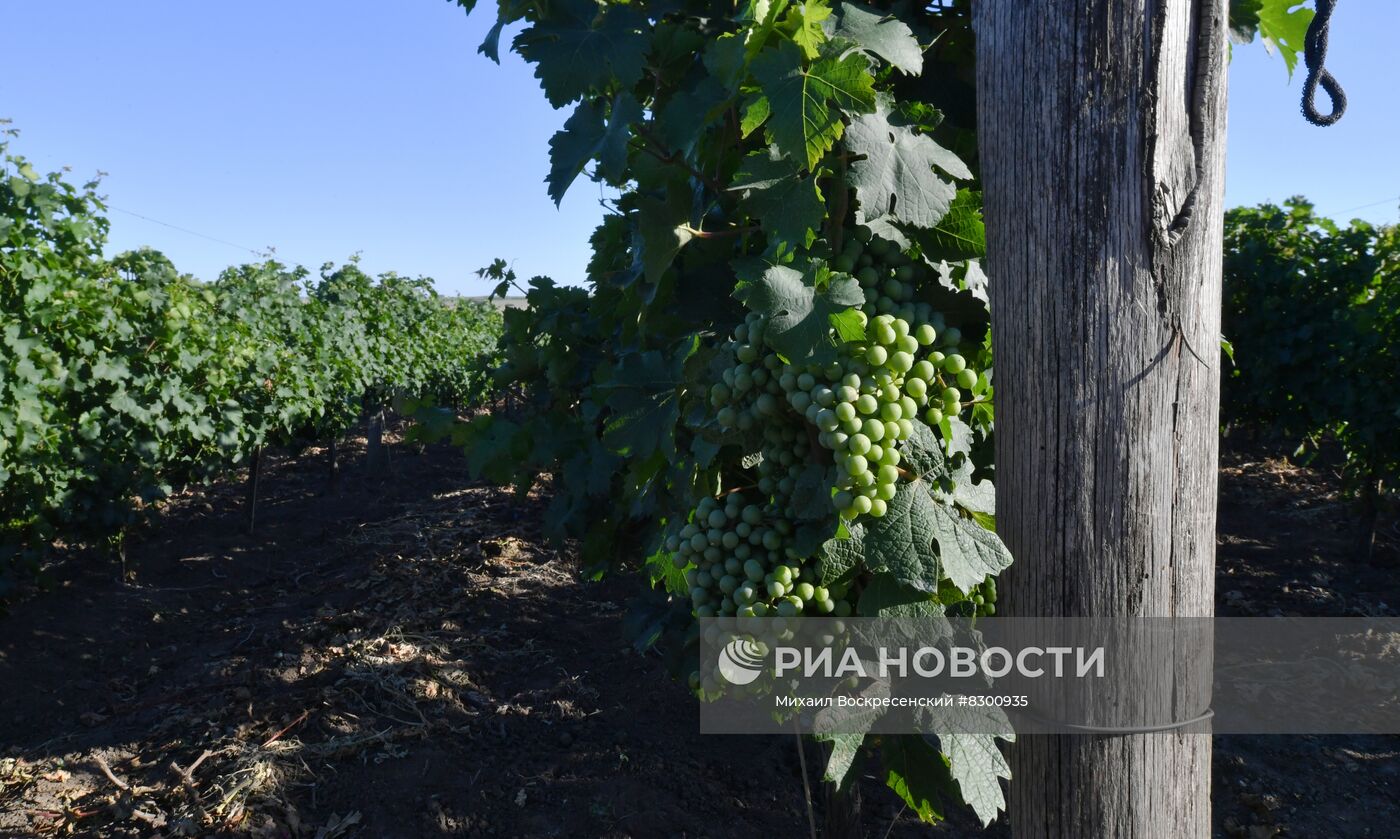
{"type": "Point", "coordinates": [328, 128]}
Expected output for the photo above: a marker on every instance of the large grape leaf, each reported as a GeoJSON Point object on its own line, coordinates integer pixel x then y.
{"type": "Point", "coordinates": [788, 205]}
{"type": "Point", "coordinates": [880, 34]}
{"type": "Point", "coordinates": [579, 49]}
{"type": "Point", "coordinates": [798, 312]}
{"type": "Point", "coordinates": [967, 738]}
{"type": "Point", "coordinates": [897, 176]}
{"type": "Point", "coordinates": [585, 136]}
{"type": "Point", "coordinates": [969, 552]}
{"type": "Point", "coordinates": [807, 103]}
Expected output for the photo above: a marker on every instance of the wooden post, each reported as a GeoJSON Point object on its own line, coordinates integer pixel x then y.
{"type": "Point", "coordinates": [1101, 131]}
{"type": "Point", "coordinates": [842, 815]}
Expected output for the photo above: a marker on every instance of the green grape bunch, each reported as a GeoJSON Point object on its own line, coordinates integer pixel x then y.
{"type": "Point", "coordinates": [738, 561]}
{"type": "Point", "coordinates": [862, 405]}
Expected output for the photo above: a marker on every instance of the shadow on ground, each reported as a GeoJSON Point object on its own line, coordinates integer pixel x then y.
{"type": "Point", "coordinates": [406, 657]}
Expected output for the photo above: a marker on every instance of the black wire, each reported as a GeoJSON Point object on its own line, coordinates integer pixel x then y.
{"type": "Point", "coordinates": [1314, 55]}
{"type": "Point", "coordinates": [1077, 728]}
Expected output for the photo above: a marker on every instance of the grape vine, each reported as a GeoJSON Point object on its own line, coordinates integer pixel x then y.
{"type": "Point", "coordinates": [1304, 297]}
{"type": "Point", "coordinates": [122, 379]}
{"type": "Point", "coordinates": [775, 396]}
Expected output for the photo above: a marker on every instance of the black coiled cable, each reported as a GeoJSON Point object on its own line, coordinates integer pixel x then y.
{"type": "Point", "coordinates": [1314, 54]}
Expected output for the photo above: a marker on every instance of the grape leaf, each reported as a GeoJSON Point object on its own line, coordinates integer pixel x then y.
{"type": "Point", "coordinates": [807, 102]}
{"type": "Point", "coordinates": [725, 59]}
{"type": "Point", "coordinates": [798, 313]}
{"type": "Point", "coordinates": [763, 15]}
{"type": "Point", "coordinates": [1284, 28]}
{"type": "Point", "coordinates": [661, 569]}
{"type": "Point", "coordinates": [971, 495]}
{"type": "Point", "coordinates": [842, 560]}
{"type": "Point", "coordinates": [663, 228]}
{"type": "Point", "coordinates": [918, 774]}
{"type": "Point", "coordinates": [885, 228]}
{"type": "Point", "coordinates": [507, 12]}
{"type": "Point", "coordinates": [811, 494]}
{"type": "Point", "coordinates": [804, 20]}
{"type": "Point", "coordinates": [923, 455]}
{"type": "Point", "coordinates": [849, 325]}
{"type": "Point", "coordinates": [690, 111]}
{"type": "Point", "coordinates": [967, 738]}
{"type": "Point", "coordinates": [896, 177]}
{"type": "Point", "coordinates": [643, 392]}
{"type": "Point", "coordinates": [959, 235]}
{"type": "Point", "coordinates": [885, 597]}
{"type": "Point", "coordinates": [810, 535]}
{"type": "Point", "coordinates": [974, 280]}
{"type": "Point", "coordinates": [957, 435]}
{"type": "Point", "coordinates": [902, 541]}
{"type": "Point", "coordinates": [788, 205]}
{"type": "Point", "coordinates": [756, 111]}
{"type": "Point", "coordinates": [1244, 20]}
{"type": "Point", "coordinates": [969, 553]}
{"type": "Point", "coordinates": [574, 52]}
{"type": "Point", "coordinates": [880, 34]}
{"type": "Point", "coordinates": [585, 137]}
{"type": "Point", "coordinates": [844, 727]}
{"type": "Point", "coordinates": [845, 748]}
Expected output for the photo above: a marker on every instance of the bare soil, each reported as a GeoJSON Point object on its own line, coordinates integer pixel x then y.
{"type": "Point", "coordinates": [406, 657]}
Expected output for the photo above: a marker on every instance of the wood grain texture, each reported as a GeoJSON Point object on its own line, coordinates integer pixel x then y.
{"type": "Point", "coordinates": [1101, 131]}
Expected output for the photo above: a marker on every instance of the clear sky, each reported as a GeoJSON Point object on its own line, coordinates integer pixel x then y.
{"type": "Point", "coordinates": [328, 127]}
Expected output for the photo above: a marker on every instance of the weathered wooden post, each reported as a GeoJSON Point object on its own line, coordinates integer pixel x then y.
{"type": "Point", "coordinates": [1102, 129]}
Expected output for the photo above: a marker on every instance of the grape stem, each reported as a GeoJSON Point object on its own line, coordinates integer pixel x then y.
{"type": "Point", "coordinates": [806, 785]}
{"type": "Point", "coordinates": [653, 147]}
